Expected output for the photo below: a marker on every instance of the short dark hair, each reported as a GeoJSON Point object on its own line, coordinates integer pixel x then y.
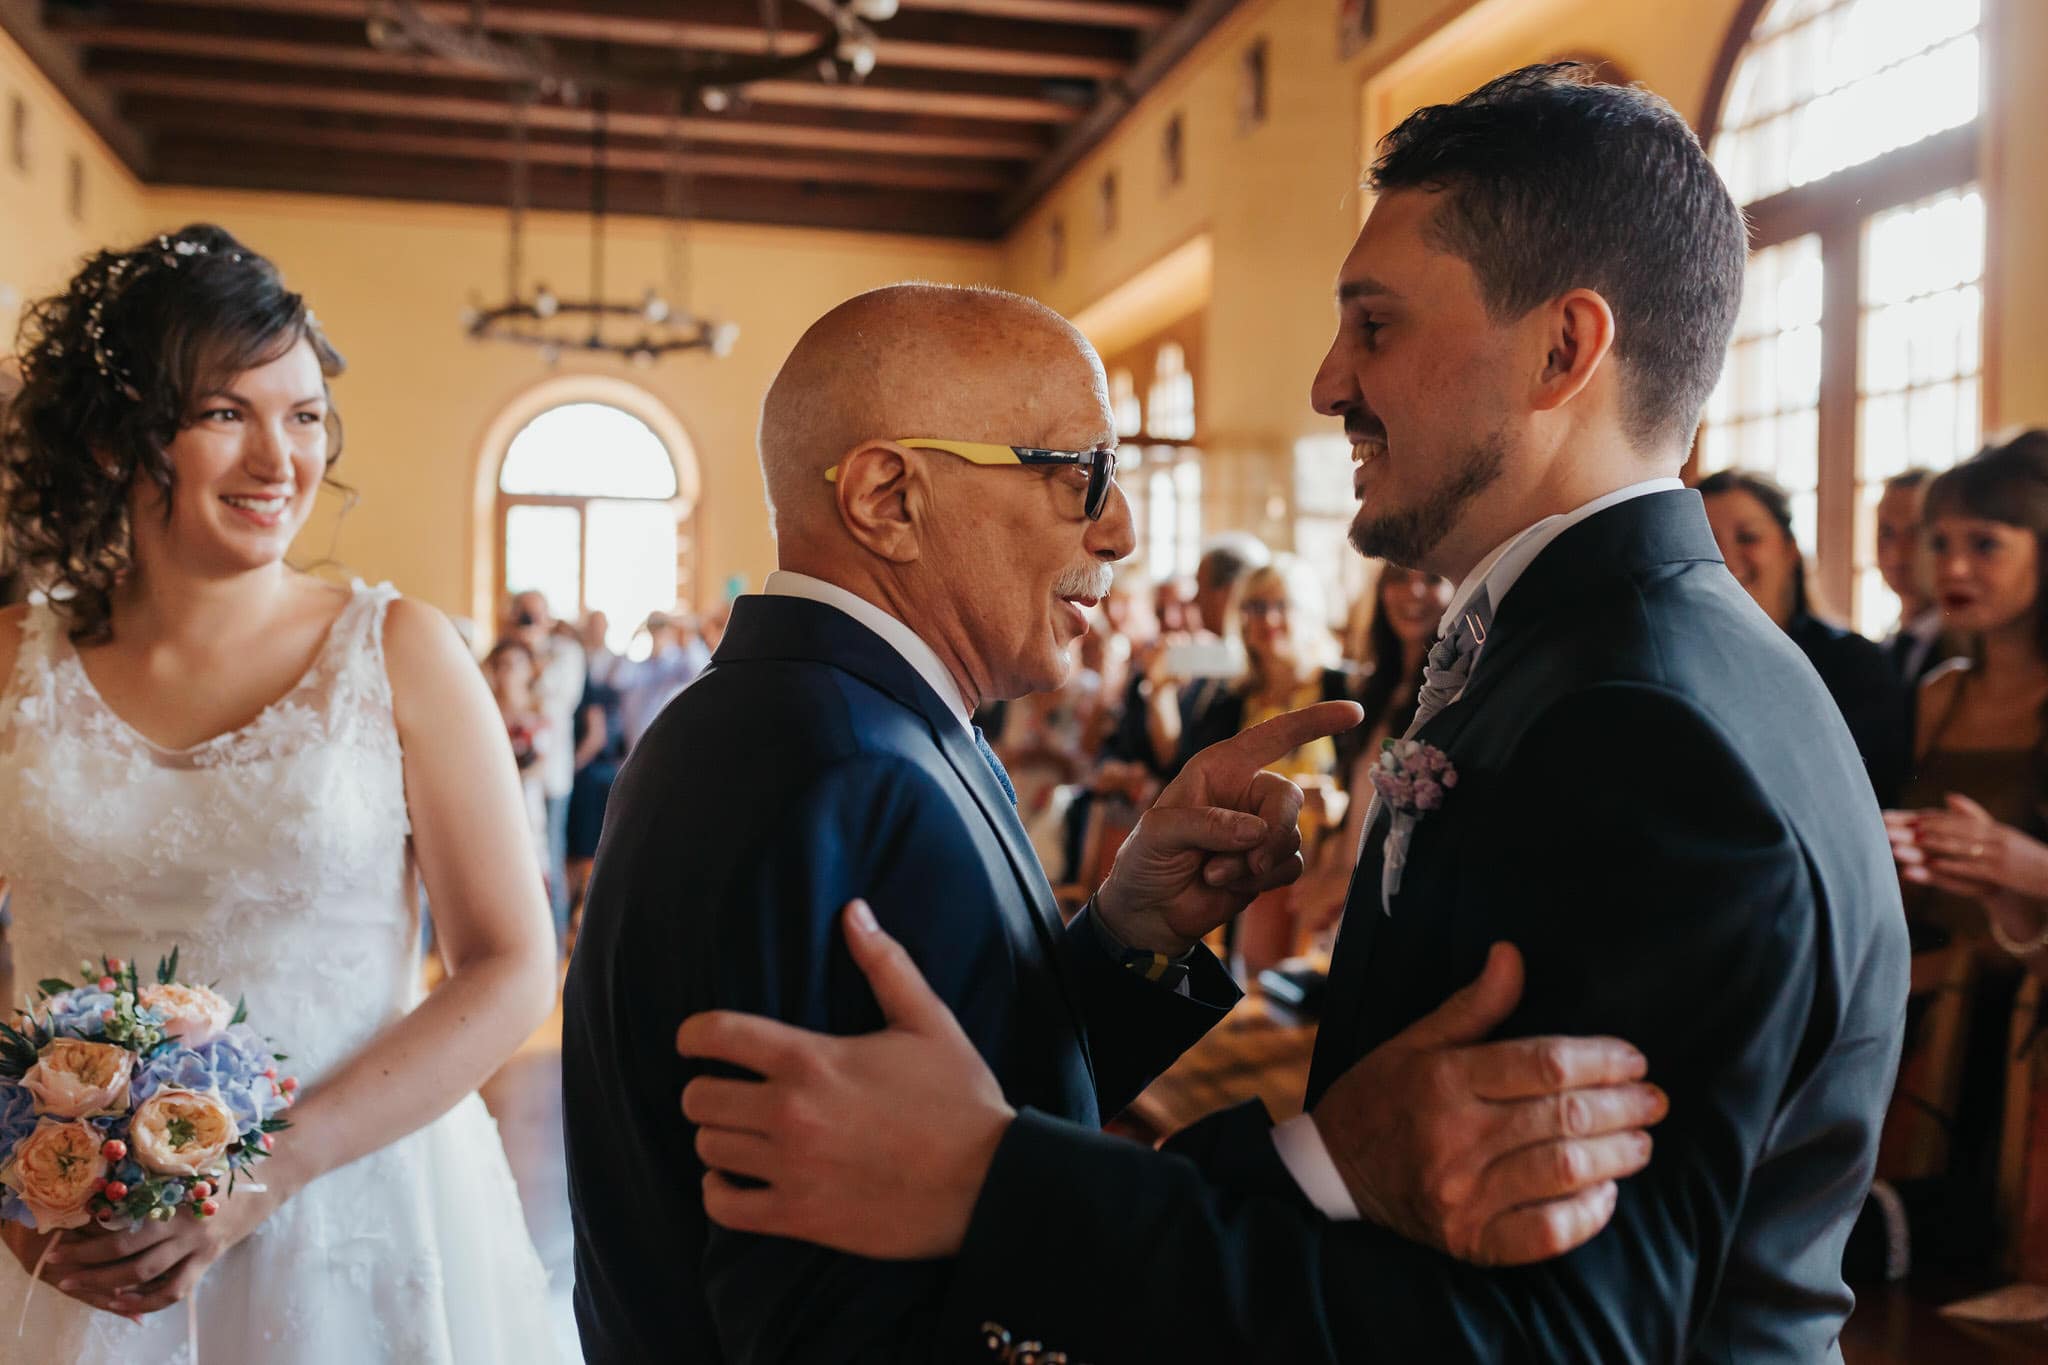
{"type": "Point", "coordinates": [1556, 182]}
{"type": "Point", "coordinates": [1908, 479]}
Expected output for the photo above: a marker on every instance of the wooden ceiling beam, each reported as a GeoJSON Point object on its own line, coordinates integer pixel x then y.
{"type": "Point", "coordinates": [876, 98]}
{"type": "Point", "coordinates": [1098, 13]}
{"type": "Point", "coordinates": [946, 44]}
{"type": "Point", "coordinates": [954, 214]}
{"type": "Point", "coordinates": [497, 113]}
{"type": "Point", "coordinates": [99, 38]}
{"type": "Point", "coordinates": [651, 159]}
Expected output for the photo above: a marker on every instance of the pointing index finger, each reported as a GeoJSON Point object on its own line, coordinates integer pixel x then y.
{"type": "Point", "coordinates": [1272, 740]}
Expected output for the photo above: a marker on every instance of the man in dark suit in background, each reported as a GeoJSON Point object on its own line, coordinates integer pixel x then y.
{"type": "Point", "coordinates": [826, 754]}
{"type": "Point", "coordinates": [1655, 799]}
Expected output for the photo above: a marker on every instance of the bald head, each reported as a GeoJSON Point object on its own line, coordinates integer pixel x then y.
{"type": "Point", "coordinates": [919, 360]}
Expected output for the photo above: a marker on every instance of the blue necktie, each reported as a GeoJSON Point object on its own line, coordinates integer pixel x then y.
{"type": "Point", "coordinates": [995, 765]}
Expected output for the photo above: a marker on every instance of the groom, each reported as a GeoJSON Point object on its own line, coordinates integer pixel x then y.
{"type": "Point", "coordinates": [1655, 800]}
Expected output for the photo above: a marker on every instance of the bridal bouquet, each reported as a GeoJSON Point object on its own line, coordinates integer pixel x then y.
{"type": "Point", "coordinates": [123, 1102]}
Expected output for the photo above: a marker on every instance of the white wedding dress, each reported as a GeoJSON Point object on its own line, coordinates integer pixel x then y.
{"type": "Point", "coordinates": [276, 859]}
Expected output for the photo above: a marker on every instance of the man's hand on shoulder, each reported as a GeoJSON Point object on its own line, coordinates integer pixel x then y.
{"type": "Point", "coordinates": [1221, 833]}
{"type": "Point", "coordinates": [1499, 1153]}
{"type": "Point", "coordinates": [875, 1145]}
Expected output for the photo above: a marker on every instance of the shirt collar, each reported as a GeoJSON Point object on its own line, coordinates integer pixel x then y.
{"type": "Point", "coordinates": [1498, 571]}
{"type": "Point", "coordinates": [898, 636]}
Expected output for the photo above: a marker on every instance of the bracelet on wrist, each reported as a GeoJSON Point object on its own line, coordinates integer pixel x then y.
{"type": "Point", "coordinates": [2019, 947]}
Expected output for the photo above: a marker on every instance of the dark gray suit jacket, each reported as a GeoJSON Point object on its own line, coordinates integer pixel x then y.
{"type": "Point", "coordinates": [1660, 804]}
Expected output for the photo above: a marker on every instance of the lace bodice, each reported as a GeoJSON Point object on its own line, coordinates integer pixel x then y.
{"type": "Point", "coordinates": [275, 856]}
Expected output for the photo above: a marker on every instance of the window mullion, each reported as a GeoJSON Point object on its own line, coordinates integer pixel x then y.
{"type": "Point", "coordinates": [1841, 311]}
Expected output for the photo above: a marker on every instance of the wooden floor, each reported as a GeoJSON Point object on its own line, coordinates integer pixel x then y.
{"type": "Point", "coordinates": [1892, 1326]}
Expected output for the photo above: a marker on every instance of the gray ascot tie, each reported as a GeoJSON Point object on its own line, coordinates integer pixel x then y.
{"type": "Point", "coordinates": [1449, 666]}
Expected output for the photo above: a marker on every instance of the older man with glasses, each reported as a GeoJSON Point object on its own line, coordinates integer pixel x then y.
{"type": "Point", "coordinates": [828, 756]}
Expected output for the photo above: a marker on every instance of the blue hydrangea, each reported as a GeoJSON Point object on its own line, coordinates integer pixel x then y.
{"type": "Point", "coordinates": [231, 1066]}
{"type": "Point", "coordinates": [77, 1013]}
{"type": "Point", "coordinates": [17, 1116]}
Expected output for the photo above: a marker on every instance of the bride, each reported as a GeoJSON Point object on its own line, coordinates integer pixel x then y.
{"type": "Point", "coordinates": [201, 748]}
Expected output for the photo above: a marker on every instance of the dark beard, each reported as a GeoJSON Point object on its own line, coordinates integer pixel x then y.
{"type": "Point", "coordinates": [1406, 537]}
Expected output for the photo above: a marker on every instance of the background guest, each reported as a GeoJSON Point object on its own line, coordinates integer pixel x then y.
{"type": "Point", "coordinates": [600, 751]}
{"type": "Point", "coordinates": [510, 671]}
{"type": "Point", "coordinates": [558, 687]}
{"type": "Point", "coordinates": [1290, 662]}
{"type": "Point", "coordinates": [1969, 845]}
{"type": "Point", "coordinates": [1173, 694]}
{"type": "Point", "coordinates": [676, 655]}
{"type": "Point", "coordinates": [1752, 521]}
{"type": "Point", "coordinates": [1914, 646]}
{"type": "Point", "coordinates": [1403, 611]}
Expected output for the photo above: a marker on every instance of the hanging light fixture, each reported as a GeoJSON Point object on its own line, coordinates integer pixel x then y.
{"type": "Point", "coordinates": [641, 330]}
{"type": "Point", "coordinates": [714, 81]}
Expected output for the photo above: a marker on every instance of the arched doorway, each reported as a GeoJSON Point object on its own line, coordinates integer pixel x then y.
{"type": "Point", "coordinates": [587, 492]}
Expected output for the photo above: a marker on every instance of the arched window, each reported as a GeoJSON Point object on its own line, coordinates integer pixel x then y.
{"type": "Point", "coordinates": [1123, 403]}
{"type": "Point", "coordinates": [588, 515]}
{"type": "Point", "coordinates": [1848, 132]}
{"type": "Point", "coordinates": [1170, 406]}
{"type": "Point", "coordinates": [1159, 464]}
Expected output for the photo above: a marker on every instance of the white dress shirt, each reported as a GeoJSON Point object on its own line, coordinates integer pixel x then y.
{"type": "Point", "coordinates": [901, 638]}
{"type": "Point", "coordinates": [1300, 1145]}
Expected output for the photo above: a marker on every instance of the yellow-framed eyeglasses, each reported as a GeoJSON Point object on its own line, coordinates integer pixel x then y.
{"type": "Point", "coordinates": [1100, 464]}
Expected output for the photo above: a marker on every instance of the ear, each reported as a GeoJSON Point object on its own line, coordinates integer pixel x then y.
{"type": "Point", "coordinates": [880, 490]}
{"type": "Point", "coordinates": [1580, 334]}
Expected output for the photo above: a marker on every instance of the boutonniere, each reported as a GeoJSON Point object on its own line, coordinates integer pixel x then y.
{"type": "Point", "coordinates": [1412, 779]}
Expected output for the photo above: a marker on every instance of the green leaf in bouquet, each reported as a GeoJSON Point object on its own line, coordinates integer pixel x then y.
{"type": "Point", "coordinates": [241, 1011]}
{"type": "Point", "coordinates": [53, 985]}
{"type": "Point", "coordinates": [18, 1052]}
{"type": "Point", "coordinates": [167, 969]}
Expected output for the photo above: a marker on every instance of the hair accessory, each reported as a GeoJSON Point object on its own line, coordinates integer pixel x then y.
{"type": "Point", "coordinates": [123, 271]}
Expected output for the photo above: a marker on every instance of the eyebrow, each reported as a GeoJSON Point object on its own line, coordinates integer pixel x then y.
{"type": "Point", "coordinates": [234, 397]}
{"type": "Point", "coordinates": [1367, 287]}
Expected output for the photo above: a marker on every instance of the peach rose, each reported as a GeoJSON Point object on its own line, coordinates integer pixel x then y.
{"type": "Point", "coordinates": [54, 1170]}
{"type": "Point", "coordinates": [194, 1015]}
{"type": "Point", "coordinates": [182, 1132]}
{"type": "Point", "coordinates": [74, 1079]}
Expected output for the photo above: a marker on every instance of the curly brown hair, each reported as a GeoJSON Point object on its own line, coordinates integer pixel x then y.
{"type": "Point", "coordinates": [110, 368]}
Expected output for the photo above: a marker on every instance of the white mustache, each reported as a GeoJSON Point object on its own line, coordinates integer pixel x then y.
{"type": "Point", "coordinates": [1092, 580]}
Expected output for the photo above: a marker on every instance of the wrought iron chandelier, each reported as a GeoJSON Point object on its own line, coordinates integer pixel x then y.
{"type": "Point", "coordinates": [555, 325]}
{"type": "Point", "coordinates": [716, 82]}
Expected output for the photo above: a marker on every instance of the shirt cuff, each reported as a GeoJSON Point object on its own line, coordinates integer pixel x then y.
{"type": "Point", "coordinates": [1159, 969]}
{"type": "Point", "coordinates": [1307, 1159]}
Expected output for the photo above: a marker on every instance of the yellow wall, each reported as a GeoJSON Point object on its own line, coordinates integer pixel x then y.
{"type": "Point", "coordinates": [40, 242]}
{"type": "Point", "coordinates": [2016, 341]}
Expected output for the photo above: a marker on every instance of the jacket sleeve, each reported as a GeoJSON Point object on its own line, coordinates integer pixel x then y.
{"type": "Point", "coordinates": [880, 830]}
{"type": "Point", "coordinates": [1138, 1028]}
{"type": "Point", "coordinates": [1665, 902]}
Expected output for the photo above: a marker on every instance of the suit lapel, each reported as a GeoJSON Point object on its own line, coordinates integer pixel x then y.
{"type": "Point", "coordinates": [794, 627]}
{"type": "Point", "coordinates": [1001, 815]}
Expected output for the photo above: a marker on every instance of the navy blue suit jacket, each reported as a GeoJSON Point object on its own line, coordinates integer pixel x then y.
{"type": "Point", "coordinates": [1659, 803]}
{"type": "Point", "coordinates": [808, 765]}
